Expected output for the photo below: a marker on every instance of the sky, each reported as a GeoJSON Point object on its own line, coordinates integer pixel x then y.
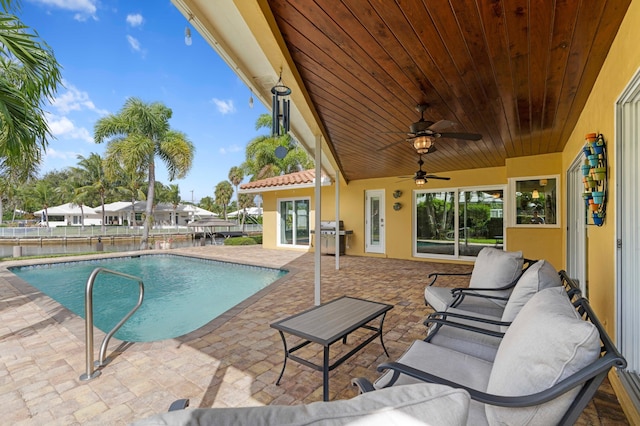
{"type": "Point", "coordinates": [111, 50]}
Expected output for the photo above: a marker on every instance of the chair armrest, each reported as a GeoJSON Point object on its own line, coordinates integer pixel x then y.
{"type": "Point", "coordinates": [363, 385]}
{"type": "Point", "coordinates": [443, 322]}
{"type": "Point", "coordinates": [600, 366]}
{"type": "Point", "coordinates": [179, 404]}
{"type": "Point", "coordinates": [459, 296]}
{"type": "Point", "coordinates": [435, 275]}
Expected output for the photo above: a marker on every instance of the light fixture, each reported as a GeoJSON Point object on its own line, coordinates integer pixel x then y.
{"type": "Point", "coordinates": [187, 33]}
{"type": "Point", "coordinates": [251, 99]}
{"type": "Point", "coordinates": [543, 182]}
{"type": "Point", "coordinates": [423, 144]}
{"type": "Point", "coordinates": [420, 181]}
{"type": "Point", "coordinates": [535, 194]}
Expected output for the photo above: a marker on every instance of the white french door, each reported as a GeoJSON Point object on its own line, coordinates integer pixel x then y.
{"type": "Point", "coordinates": [576, 226]}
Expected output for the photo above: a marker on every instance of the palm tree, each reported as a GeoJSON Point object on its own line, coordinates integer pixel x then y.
{"type": "Point", "coordinates": [235, 177]}
{"type": "Point", "coordinates": [223, 193]}
{"type": "Point", "coordinates": [44, 195]}
{"type": "Point", "coordinates": [29, 75]}
{"type": "Point", "coordinates": [173, 194]}
{"type": "Point", "coordinates": [261, 160]}
{"type": "Point", "coordinates": [129, 182]}
{"type": "Point", "coordinates": [140, 132]}
{"type": "Point", "coordinates": [207, 203]}
{"type": "Point", "coordinates": [245, 201]}
{"type": "Point", "coordinates": [92, 181]}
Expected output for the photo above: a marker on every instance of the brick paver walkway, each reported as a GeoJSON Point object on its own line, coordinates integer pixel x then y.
{"type": "Point", "coordinates": [232, 361]}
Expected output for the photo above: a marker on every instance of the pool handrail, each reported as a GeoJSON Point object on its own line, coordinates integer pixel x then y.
{"type": "Point", "coordinates": [88, 308]}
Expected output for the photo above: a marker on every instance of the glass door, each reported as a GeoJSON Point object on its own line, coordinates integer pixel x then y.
{"type": "Point", "coordinates": [374, 221]}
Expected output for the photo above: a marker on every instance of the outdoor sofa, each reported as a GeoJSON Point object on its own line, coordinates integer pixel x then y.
{"type": "Point", "coordinates": [494, 275]}
{"type": "Point", "coordinates": [547, 367]}
{"type": "Point", "coordinates": [417, 404]}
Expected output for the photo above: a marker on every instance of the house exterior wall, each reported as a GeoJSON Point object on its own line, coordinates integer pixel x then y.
{"type": "Point", "coordinates": [622, 63]}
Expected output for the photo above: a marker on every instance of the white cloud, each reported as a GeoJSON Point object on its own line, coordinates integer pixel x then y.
{"type": "Point", "coordinates": [230, 149]}
{"type": "Point", "coordinates": [64, 128]}
{"type": "Point", "coordinates": [224, 107]}
{"type": "Point", "coordinates": [74, 100]}
{"type": "Point", "coordinates": [134, 43]}
{"type": "Point", "coordinates": [61, 155]}
{"type": "Point", "coordinates": [84, 8]}
{"type": "Point", "coordinates": [135, 20]}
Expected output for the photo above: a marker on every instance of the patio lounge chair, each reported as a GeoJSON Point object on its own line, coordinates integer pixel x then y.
{"type": "Point", "coordinates": [549, 365]}
{"type": "Point", "coordinates": [402, 405]}
{"type": "Point", "coordinates": [480, 335]}
{"type": "Point", "coordinates": [494, 275]}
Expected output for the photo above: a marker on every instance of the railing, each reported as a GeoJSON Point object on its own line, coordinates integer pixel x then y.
{"type": "Point", "coordinates": [96, 231]}
{"type": "Point", "coordinates": [91, 373]}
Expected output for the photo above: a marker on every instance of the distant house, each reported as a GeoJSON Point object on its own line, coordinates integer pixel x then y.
{"type": "Point", "coordinates": [68, 215]}
{"type": "Point", "coordinates": [122, 213]}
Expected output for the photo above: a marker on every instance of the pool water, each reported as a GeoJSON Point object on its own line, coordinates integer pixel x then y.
{"type": "Point", "coordinates": [181, 293]}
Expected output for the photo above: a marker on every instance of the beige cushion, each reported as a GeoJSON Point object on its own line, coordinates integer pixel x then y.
{"type": "Point", "coordinates": [547, 342]}
{"type": "Point", "coordinates": [539, 276]}
{"type": "Point", "coordinates": [496, 268]}
{"type": "Point", "coordinates": [419, 404]}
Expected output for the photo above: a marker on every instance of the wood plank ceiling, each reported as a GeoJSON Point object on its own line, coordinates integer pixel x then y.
{"type": "Point", "coordinates": [518, 72]}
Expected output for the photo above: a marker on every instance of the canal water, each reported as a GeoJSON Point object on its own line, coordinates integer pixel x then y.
{"type": "Point", "coordinates": [31, 249]}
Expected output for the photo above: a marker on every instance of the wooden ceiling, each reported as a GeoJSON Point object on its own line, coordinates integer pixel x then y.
{"type": "Point", "coordinates": [517, 72]}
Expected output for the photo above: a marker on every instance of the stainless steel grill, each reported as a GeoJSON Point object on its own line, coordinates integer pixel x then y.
{"type": "Point", "coordinates": [328, 237]}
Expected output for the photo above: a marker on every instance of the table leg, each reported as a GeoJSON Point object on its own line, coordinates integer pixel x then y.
{"type": "Point", "coordinates": [286, 355]}
{"type": "Point", "coordinates": [382, 341]}
{"type": "Point", "coordinates": [325, 374]}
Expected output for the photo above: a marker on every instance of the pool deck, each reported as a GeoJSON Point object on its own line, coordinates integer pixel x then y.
{"type": "Point", "coordinates": [232, 361]}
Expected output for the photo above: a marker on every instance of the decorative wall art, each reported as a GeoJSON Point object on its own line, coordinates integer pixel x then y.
{"type": "Point", "coordinates": [594, 172]}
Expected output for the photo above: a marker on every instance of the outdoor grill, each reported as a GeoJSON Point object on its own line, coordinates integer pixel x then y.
{"type": "Point", "coordinates": [328, 237]}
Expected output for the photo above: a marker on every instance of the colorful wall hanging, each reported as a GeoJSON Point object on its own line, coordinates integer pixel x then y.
{"type": "Point", "coordinates": [594, 172]}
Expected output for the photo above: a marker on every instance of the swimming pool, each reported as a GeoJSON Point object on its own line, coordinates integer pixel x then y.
{"type": "Point", "coordinates": [181, 293]}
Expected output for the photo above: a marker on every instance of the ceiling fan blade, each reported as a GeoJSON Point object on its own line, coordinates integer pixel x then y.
{"type": "Point", "coordinates": [391, 144]}
{"type": "Point", "coordinates": [465, 136]}
{"type": "Point", "coordinates": [441, 125]}
{"type": "Point", "coordinates": [437, 177]}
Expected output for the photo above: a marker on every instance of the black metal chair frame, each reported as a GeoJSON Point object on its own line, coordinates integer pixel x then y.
{"type": "Point", "coordinates": [589, 378]}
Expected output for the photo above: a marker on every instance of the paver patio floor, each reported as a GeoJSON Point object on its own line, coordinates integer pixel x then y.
{"type": "Point", "coordinates": [232, 361]}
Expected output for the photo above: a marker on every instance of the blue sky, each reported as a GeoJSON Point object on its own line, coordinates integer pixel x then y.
{"type": "Point", "coordinates": [111, 50]}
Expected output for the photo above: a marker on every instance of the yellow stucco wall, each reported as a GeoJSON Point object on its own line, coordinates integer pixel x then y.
{"type": "Point", "coordinates": [622, 63]}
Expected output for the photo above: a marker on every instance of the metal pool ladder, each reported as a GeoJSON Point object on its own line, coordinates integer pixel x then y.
{"type": "Point", "coordinates": [88, 309]}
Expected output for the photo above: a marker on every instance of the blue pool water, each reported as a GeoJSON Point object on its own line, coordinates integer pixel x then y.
{"type": "Point", "coordinates": [181, 293]}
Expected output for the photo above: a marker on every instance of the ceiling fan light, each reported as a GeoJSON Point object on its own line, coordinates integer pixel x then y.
{"type": "Point", "coordinates": [422, 144]}
{"type": "Point", "coordinates": [420, 181]}
{"type": "Point", "coordinates": [535, 194]}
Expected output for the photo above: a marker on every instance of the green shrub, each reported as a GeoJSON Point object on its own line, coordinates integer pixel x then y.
{"type": "Point", "coordinates": [239, 241]}
{"type": "Point", "coordinates": [257, 238]}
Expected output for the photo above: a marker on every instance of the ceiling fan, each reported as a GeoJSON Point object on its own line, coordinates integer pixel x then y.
{"type": "Point", "coordinates": [423, 133]}
{"type": "Point", "coordinates": [421, 177]}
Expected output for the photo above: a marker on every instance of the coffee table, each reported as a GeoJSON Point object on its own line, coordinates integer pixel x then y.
{"type": "Point", "coordinates": [326, 324]}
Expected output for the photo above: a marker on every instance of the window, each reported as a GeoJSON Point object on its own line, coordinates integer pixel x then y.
{"type": "Point", "coordinates": [293, 223]}
{"type": "Point", "coordinates": [534, 201]}
{"type": "Point", "coordinates": [459, 222]}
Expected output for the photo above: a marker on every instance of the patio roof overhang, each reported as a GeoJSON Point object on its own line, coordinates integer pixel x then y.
{"type": "Point", "coordinates": [518, 75]}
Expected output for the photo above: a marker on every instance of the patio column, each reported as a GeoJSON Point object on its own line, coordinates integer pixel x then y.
{"type": "Point", "coordinates": [318, 187]}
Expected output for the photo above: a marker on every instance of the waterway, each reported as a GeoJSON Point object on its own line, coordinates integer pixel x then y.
{"type": "Point", "coordinates": [60, 246]}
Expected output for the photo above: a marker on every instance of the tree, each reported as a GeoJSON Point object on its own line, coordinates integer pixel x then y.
{"type": "Point", "coordinates": [29, 75]}
{"type": "Point", "coordinates": [235, 177]}
{"type": "Point", "coordinates": [244, 202]}
{"type": "Point", "coordinates": [129, 182]}
{"type": "Point", "coordinates": [44, 194]}
{"type": "Point", "coordinates": [92, 181]}
{"type": "Point", "coordinates": [261, 160]}
{"type": "Point", "coordinates": [139, 132]}
{"type": "Point", "coordinates": [173, 193]}
{"type": "Point", "coordinates": [223, 193]}
{"type": "Point", "coordinates": [207, 203]}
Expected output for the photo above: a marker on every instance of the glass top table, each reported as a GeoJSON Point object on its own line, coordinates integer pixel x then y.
{"type": "Point", "coordinates": [326, 324]}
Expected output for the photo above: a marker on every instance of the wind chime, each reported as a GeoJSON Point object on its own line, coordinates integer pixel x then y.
{"type": "Point", "coordinates": [280, 109]}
